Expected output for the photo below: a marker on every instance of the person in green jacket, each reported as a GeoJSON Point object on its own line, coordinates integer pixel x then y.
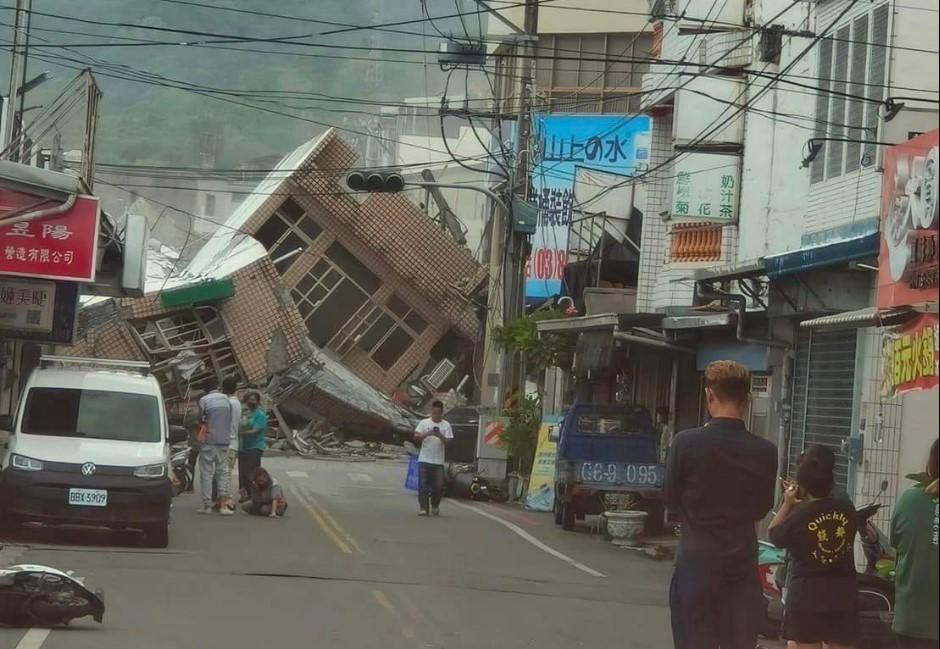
{"type": "Point", "coordinates": [914, 535]}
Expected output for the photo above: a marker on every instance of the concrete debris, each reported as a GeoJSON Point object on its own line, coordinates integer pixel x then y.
{"type": "Point", "coordinates": [319, 440]}
{"type": "Point", "coordinates": [653, 548]}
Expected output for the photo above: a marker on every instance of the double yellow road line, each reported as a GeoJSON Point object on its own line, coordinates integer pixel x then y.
{"type": "Point", "coordinates": [342, 539]}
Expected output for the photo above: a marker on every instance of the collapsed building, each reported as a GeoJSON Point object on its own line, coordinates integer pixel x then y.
{"type": "Point", "coordinates": [332, 302]}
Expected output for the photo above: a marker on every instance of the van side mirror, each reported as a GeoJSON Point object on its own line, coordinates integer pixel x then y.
{"type": "Point", "coordinates": [178, 434]}
{"type": "Point", "coordinates": [6, 423]}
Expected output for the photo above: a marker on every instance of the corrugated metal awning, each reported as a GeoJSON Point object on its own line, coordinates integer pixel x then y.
{"type": "Point", "coordinates": [823, 256]}
{"type": "Point", "coordinates": [578, 324]}
{"type": "Point", "coordinates": [868, 317]}
{"type": "Point", "coordinates": [729, 272]}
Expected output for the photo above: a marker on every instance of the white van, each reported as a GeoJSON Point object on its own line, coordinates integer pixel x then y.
{"type": "Point", "coordinates": [89, 445]}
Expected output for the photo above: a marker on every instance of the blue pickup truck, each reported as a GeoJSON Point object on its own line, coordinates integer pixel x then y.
{"type": "Point", "coordinates": [608, 459]}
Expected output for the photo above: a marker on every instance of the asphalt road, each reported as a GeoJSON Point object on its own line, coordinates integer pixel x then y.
{"type": "Point", "coordinates": [352, 566]}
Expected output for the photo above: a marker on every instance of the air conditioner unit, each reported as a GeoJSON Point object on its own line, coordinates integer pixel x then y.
{"type": "Point", "coordinates": [770, 44]}
{"type": "Point", "coordinates": [439, 374]}
{"type": "Point", "coordinates": [760, 385]}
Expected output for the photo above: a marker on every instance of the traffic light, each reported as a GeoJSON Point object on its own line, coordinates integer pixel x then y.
{"type": "Point", "coordinates": [383, 182]}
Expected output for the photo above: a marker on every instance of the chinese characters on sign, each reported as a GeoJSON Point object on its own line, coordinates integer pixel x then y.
{"type": "Point", "coordinates": [908, 262]}
{"type": "Point", "coordinates": [705, 186]}
{"type": "Point", "coordinates": [911, 356]}
{"type": "Point", "coordinates": [609, 149]}
{"type": "Point", "coordinates": [563, 144]}
{"type": "Point", "coordinates": [26, 305]}
{"type": "Point", "coordinates": [56, 247]}
{"type": "Point", "coordinates": [541, 494]}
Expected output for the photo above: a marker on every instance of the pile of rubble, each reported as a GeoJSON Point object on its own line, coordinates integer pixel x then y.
{"type": "Point", "coordinates": [317, 441]}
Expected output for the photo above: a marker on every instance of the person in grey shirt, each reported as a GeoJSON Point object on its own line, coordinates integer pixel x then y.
{"type": "Point", "coordinates": [216, 412]}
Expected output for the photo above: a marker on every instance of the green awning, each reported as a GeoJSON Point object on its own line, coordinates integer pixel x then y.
{"type": "Point", "coordinates": [210, 291]}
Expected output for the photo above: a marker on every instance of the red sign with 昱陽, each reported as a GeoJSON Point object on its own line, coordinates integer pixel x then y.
{"type": "Point", "coordinates": [62, 247]}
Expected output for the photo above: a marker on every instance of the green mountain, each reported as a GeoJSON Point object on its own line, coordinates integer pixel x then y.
{"type": "Point", "coordinates": [166, 103]}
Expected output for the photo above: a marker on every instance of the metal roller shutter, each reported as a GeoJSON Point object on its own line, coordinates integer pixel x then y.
{"type": "Point", "coordinates": [823, 395]}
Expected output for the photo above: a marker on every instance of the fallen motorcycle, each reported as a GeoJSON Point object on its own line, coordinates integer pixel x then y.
{"type": "Point", "coordinates": [43, 596]}
{"type": "Point", "coordinates": [465, 481]}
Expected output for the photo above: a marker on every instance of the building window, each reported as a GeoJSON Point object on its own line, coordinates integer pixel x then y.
{"type": "Point", "coordinates": [210, 205]}
{"type": "Point", "coordinates": [332, 296]}
{"type": "Point", "coordinates": [288, 229]}
{"type": "Point", "coordinates": [592, 86]}
{"type": "Point", "coordinates": [852, 63]}
{"type": "Point", "coordinates": [384, 332]}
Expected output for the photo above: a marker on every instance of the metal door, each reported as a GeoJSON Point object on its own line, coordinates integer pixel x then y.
{"type": "Point", "coordinates": [824, 397]}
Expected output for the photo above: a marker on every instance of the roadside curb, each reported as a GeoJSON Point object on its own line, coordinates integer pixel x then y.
{"type": "Point", "coordinates": [10, 554]}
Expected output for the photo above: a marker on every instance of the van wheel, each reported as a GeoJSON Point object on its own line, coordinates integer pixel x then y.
{"type": "Point", "coordinates": [556, 509]}
{"type": "Point", "coordinates": [158, 536]}
{"type": "Point", "coordinates": [567, 517]}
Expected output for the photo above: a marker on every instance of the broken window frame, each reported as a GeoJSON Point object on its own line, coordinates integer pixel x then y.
{"type": "Point", "coordinates": [363, 319]}
{"type": "Point", "coordinates": [200, 329]}
{"type": "Point", "coordinates": [371, 317]}
{"type": "Point", "coordinates": [318, 281]}
{"type": "Point", "coordinates": [293, 228]}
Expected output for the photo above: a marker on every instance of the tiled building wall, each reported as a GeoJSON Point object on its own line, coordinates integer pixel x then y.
{"type": "Point", "coordinates": [392, 237]}
{"type": "Point", "coordinates": [260, 307]}
{"type": "Point", "coordinates": [251, 316]}
{"type": "Point", "coordinates": [675, 287]}
{"type": "Point", "coordinates": [655, 239]}
{"type": "Point", "coordinates": [112, 341]}
{"type": "Point", "coordinates": [414, 249]}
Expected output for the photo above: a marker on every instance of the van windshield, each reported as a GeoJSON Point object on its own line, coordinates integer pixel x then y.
{"type": "Point", "coordinates": [95, 414]}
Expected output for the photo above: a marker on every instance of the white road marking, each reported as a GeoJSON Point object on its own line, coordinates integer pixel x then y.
{"type": "Point", "coordinates": [298, 474]}
{"type": "Point", "coordinates": [534, 541]}
{"type": "Point", "coordinates": [360, 477]}
{"type": "Point", "coordinates": [33, 639]}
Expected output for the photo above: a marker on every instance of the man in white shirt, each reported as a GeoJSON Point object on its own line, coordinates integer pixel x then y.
{"type": "Point", "coordinates": [432, 435]}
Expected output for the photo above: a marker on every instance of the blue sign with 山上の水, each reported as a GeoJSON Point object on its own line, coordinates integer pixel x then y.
{"type": "Point", "coordinates": [618, 144]}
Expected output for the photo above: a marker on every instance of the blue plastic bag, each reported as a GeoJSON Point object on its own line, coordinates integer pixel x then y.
{"type": "Point", "coordinates": [411, 478]}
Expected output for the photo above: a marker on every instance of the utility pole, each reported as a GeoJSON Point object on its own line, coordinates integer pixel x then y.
{"type": "Point", "coordinates": [17, 72]}
{"type": "Point", "coordinates": [507, 247]}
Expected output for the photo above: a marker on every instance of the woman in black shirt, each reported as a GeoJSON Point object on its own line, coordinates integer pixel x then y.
{"type": "Point", "coordinates": [819, 533]}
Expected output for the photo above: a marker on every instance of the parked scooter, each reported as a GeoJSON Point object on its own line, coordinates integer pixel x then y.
{"type": "Point", "coordinates": [43, 596]}
{"type": "Point", "coordinates": [875, 584]}
{"type": "Point", "coordinates": [181, 473]}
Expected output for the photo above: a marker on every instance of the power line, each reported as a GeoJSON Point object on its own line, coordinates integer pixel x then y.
{"type": "Point", "coordinates": [545, 172]}
{"type": "Point", "coordinates": [290, 41]}
{"type": "Point", "coordinates": [718, 122]}
{"type": "Point", "coordinates": [293, 41]}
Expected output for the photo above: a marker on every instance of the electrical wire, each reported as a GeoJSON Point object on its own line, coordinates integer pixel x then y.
{"type": "Point", "coordinates": [424, 52]}
{"type": "Point", "coordinates": [473, 128]}
{"type": "Point", "coordinates": [444, 135]}
{"type": "Point", "coordinates": [718, 122]}
{"type": "Point", "coordinates": [293, 41]}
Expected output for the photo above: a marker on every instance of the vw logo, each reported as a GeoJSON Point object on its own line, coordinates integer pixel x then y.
{"type": "Point", "coordinates": [88, 468]}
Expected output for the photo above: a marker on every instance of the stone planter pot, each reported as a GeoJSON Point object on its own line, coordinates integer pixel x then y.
{"type": "Point", "coordinates": [625, 526]}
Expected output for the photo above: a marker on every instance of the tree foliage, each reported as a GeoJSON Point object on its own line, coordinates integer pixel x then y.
{"type": "Point", "coordinates": [521, 336]}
